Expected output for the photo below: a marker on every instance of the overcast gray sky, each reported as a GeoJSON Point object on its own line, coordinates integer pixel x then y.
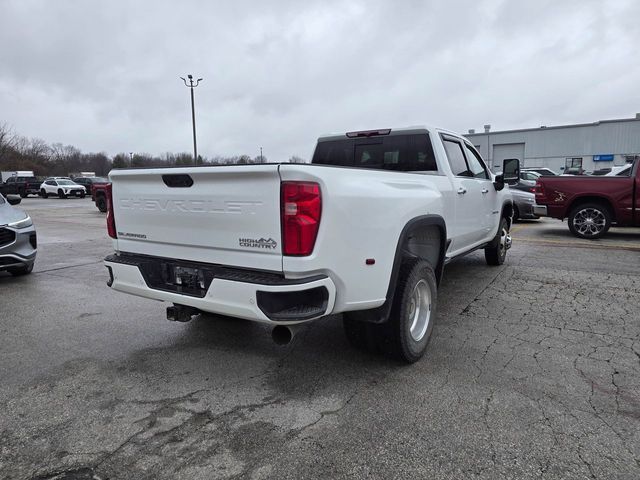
{"type": "Point", "coordinates": [104, 76]}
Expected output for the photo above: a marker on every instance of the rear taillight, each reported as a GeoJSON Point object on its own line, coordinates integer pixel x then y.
{"type": "Point", "coordinates": [532, 189]}
{"type": "Point", "coordinates": [539, 189]}
{"type": "Point", "coordinates": [111, 219]}
{"type": "Point", "coordinates": [300, 207]}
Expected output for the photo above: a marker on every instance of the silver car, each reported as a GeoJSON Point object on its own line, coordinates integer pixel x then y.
{"type": "Point", "coordinates": [18, 242]}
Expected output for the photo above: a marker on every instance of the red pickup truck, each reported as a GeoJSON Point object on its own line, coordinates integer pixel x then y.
{"type": "Point", "coordinates": [591, 203]}
{"type": "Point", "coordinates": [99, 195]}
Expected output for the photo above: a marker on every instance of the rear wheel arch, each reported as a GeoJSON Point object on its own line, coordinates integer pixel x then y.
{"type": "Point", "coordinates": [423, 238]}
{"type": "Point", "coordinates": [604, 201]}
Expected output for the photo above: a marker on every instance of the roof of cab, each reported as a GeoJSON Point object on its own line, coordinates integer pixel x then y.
{"type": "Point", "coordinates": [393, 131]}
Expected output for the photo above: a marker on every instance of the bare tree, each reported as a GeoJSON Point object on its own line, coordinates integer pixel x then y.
{"type": "Point", "coordinates": [7, 141]}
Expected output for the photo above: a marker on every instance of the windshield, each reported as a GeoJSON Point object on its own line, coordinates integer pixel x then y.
{"type": "Point", "coordinates": [66, 182]}
{"type": "Point", "coordinates": [404, 153]}
{"type": "Point", "coordinates": [99, 180]}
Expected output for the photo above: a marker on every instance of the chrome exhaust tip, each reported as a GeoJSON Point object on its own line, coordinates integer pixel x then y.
{"type": "Point", "coordinates": [283, 335]}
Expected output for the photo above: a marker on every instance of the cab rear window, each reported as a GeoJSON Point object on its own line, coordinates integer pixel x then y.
{"type": "Point", "coordinates": [405, 153]}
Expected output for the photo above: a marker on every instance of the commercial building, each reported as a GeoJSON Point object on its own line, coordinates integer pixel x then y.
{"type": "Point", "coordinates": [589, 146]}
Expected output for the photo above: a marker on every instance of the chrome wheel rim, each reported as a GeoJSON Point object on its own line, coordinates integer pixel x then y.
{"type": "Point", "coordinates": [589, 222]}
{"type": "Point", "coordinates": [420, 310]}
{"type": "Point", "coordinates": [505, 243]}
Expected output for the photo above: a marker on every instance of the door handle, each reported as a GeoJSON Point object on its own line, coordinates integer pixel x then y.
{"type": "Point", "coordinates": [484, 190]}
{"type": "Point", "coordinates": [462, 191]}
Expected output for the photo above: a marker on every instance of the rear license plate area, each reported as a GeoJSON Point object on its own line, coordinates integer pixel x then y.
{"type": "Point", "coordinates": [178, 277]}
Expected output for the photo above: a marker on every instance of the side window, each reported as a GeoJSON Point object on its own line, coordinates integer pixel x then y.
{"type": "Point", "coordinates": [11, 179]}
{"type": "Point", "coordinates": [476, 165]}
{"type": "Point", "coordinates": [456, 158]}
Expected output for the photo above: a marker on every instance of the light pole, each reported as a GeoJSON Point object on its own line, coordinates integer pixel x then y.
{"type": "Point", "coordinates": [261, 160]}
{"type": "Point", "coordinates": [193, 113]}
{"type": "Point", "coordinates": [131, 159]}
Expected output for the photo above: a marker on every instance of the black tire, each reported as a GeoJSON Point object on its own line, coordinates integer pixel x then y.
{"type": "Point", "coordinates": [589, 220]}
{"type": "Point", "coordinates": [406, 334]}
{"type": "Point", "coordinates": [101, 203]}
{"type": "Point", "coordinates": [82, 194]}
{"type": "Point", "coordinates": [19, 271]}
{"type": "Point", "coordinates": [361, 335]}
{"type": "Point", "coordinates": [496, 252]}
{"type": "Point", "coordinates": [61, 194]}
{"type": "Point", "coordinates": [43, 193]}
{"type": "Point", "coordinates": [23, 194]}
{"type": "Point", "coordinates": [516, 214]}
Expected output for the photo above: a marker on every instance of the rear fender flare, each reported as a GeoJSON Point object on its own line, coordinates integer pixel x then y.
{"type": "Point", "coordinates": [411, 245]}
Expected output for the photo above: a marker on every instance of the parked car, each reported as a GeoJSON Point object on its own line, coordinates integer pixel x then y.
{"type": "Point", "coordinates": [621, 171]}
{"type": "Point", "coordinates": [364, 230]}
{"type": "Point", "coordinates": [591, 203]}
{"type": "Point", "coordinates": [524, 186]}
{"type": "Point", "coordinates": [18, 242]}
{"type": "Point", "coordinates": [17, 185]}
{"type": "Point", "coordinates": [523, 203]}
{"type": "Point", "coordinates": [529, 175]}
{"type": "Point", "coordinates": [99, 195]}
{"type": "Point", "coordinates": [543, 171]}
{"type": "Point", "coordinates": [62, 188]}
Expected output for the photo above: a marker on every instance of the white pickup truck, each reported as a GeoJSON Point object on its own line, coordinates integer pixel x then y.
{"type": "Point", "coordinates": [364, 230]}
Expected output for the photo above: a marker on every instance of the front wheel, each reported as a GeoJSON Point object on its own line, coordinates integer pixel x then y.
{"type": "Point", "coordinates": [43, 193]}
{"type": "Point", "coordinates": [23, 194]}
{"type": "Point", "coordinates": [496, 252]}
{"type": "Point", "coordinates": [406, 334]}
{"type": "Point", "coordinates": [589, 221]}
{"type": "Point", "coordinates": [82, 194]}
{"type": "Point", "coordinates": [61, 194]}
{"type": "Point", "coordinates": [516, 214]}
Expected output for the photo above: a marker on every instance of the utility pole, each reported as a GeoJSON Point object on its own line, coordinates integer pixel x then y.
{"type": "Point", "coordinates": [261, 160]}
{"type": "Point", "coordinates": [193, 113]}
{"type": "Point", "coordinates": [131, 159]}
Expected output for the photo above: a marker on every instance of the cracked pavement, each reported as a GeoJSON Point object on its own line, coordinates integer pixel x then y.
{"type": "Point", "coordinates": [533, 371]}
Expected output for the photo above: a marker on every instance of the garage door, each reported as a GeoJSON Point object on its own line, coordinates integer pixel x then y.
{"type": "Point", "coordinates": [504, 151]}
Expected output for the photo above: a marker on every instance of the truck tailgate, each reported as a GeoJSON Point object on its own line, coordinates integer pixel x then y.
{"type": "Point", "coordinates": [219, 215]}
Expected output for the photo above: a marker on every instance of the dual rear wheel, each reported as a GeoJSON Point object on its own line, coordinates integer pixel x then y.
{"type": "Point", "coordinates": [406, 334]}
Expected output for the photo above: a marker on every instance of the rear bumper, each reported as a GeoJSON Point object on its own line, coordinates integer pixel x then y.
{"type": "Point", "coordinates": [267, 298]}
{"type": "Point", "coordinates": [540, 210]}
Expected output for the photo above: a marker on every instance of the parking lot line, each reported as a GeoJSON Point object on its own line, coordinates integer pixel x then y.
{"type": "Point", "coordinates": [634, 247]}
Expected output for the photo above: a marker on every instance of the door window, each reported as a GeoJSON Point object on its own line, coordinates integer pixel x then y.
{"type": "Point", "coordinates": [456, 158]}
{"type": "Point", "coordinates": [476, 165]}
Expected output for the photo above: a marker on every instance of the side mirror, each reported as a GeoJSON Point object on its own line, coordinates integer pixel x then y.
{"type": "Point", "coordinates": [14, 199]}
{"type": "Point", "coordinates": [511, 170]}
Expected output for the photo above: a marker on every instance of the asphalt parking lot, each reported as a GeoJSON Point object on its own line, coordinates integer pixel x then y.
{"type": "Point", "coordinates": [533, 371]}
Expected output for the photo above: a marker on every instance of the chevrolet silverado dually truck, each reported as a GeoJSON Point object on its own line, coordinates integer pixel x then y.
{"type": "Point", "coordinates": [591, 204]}
{"type": "Point", "coordinates": [364, 230]}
